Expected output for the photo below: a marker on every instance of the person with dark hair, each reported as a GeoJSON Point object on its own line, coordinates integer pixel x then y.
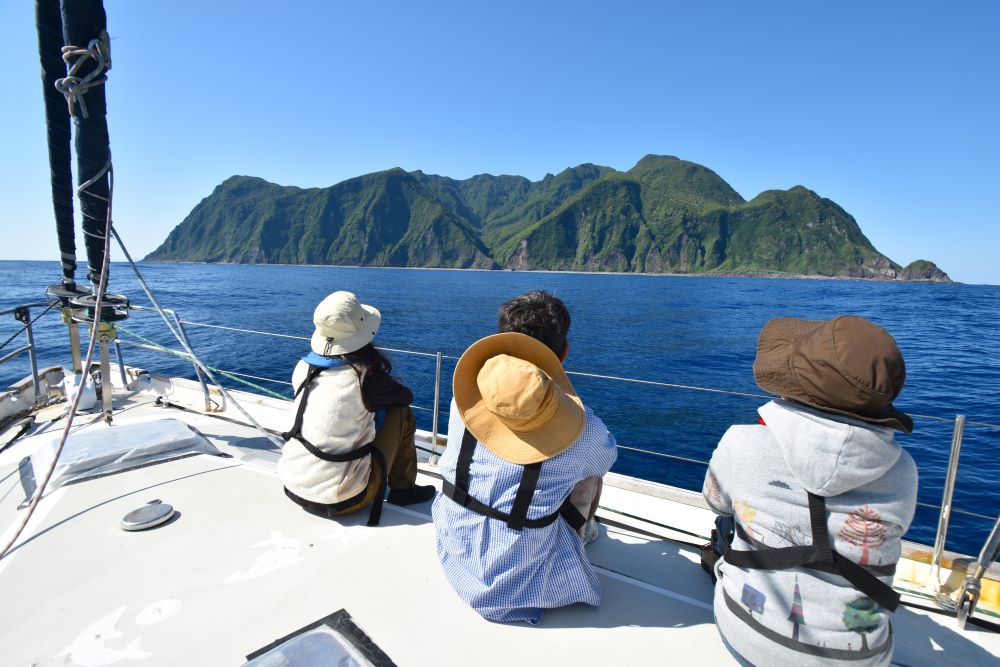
{"type": "Point", "coordinates": [545, 318]}
{"type": "Point", "coordinates": [818, 496]}
{"type": "Point", "coordinates": [521, 471]}
{"type": "Point", "coordinates": [353, 430]}
{"type": "Point", "coordinates": [540, 315]}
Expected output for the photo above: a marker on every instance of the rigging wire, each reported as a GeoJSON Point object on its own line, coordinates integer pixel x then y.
{"type": "Point", "coordinates": [229, 374]}
{"type": "Point", "coordinates": [669, 385]}
{"type": "Point", "coordinates": [187, 348]}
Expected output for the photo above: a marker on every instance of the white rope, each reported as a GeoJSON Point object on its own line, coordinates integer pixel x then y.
{"type": "Point", "coordinates": [82, 190]}
{"type": "Point", "coordinates": [73, 86]}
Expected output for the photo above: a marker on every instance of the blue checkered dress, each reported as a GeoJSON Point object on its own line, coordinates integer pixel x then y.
{"type": "Point", "coordinates": [507, 575]}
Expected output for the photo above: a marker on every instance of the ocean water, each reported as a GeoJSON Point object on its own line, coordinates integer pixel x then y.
{"type": "Point", "coordinates": [693, 331]}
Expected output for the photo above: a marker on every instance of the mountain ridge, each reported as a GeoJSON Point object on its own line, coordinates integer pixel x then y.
{"type": "Point", "coordinates": [664, 215]}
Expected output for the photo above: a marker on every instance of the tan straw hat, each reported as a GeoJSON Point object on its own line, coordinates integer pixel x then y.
{"type": "Point", "coordinates": [515, 397]}
{"type": "Point", "coordinates": [343, 324]}
{"type": "Point", "coordinates": [847, 365]}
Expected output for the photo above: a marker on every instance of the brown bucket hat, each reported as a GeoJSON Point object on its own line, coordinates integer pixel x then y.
{"type": "Point", "coordinates": [847, 366]}
{"type": "Point", "coordinates": [514, 396]}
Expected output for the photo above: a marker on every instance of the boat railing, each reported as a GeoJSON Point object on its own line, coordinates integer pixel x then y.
{"type": "Point", "coordinates": [22, 314]}
{"type": "Point", "coordinates": [959, 422]}
{"type": "Point", "coordinates": [946, 508]}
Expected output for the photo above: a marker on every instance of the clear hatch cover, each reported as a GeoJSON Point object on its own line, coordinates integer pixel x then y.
{"type": "Point", "coordinates": [332, 641]}
{"type": "Point", "coordinates": [99, 450]}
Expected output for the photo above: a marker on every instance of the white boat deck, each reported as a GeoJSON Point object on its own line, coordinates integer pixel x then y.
{"type": "Point", "coordinates": [240, 566]}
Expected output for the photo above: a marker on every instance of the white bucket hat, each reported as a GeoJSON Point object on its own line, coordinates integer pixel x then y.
{"type": "Point", "coordinates": [343, 324]}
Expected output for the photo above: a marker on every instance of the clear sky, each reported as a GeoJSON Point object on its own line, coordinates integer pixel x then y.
{"type": "Point", "coordinates": [891, 109]}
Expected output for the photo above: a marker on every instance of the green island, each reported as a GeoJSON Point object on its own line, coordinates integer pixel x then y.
{"type": "Point", "coordinates": [664, 215]}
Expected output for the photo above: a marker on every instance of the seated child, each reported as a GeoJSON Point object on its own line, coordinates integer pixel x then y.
{"type": "Point", "coordinates": [821, 494]}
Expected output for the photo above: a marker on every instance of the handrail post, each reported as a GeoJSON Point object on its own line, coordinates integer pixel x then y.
{"type": "Point", "coordinates": [105, 333]}
{"type": "Point", "coordinates": [24, 315]}
{"type": "Point", "coordinates": [74, 342]}
{"type": "Point", "coordinates": [121, 364]}
{"type": "Point", "coordinates": [437, 403]}
{"type": "Point", "coordinates": [946, 498]}
{"type": "Point", "coordinates": [197, 370]}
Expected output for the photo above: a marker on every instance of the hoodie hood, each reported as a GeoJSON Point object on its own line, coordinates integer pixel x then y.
{"type": "Point", "coordinates": [829, 454]}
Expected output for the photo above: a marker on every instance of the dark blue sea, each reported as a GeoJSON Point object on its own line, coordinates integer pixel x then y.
{"type": "Point", "coordinates": [682, 330]}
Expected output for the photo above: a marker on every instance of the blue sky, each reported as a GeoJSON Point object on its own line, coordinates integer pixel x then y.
{"type": "Point", "coordinates": [890, 108]}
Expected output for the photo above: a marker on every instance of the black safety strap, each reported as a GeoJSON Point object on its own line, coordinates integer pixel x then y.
{"type": "Point", "coordinates": [817, 523]}
{"type": "Point", "coordinates": [465, 452]}
{"type": "Point", "coordinates": [375, 514]}
{"type": "Point", "coordinates": [517, 519]}
{"type": "Point", "coordinates": [829, 567]}
{"type": "Point", "coordinates": [525, 492]}
{"type": "Point", "coordinates": [296, 430]}
{"type": "Point", "coordinates": [866, 582]}
{"type": "Point", "coordinates": [572, 515]}
{"type": "Point", "coordinates": [819, 553]}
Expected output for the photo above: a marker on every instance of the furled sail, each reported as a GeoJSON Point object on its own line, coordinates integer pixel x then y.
{"type": "Point", "coordinates": [50, 43]}
{"type": "Point", "coordinates": [85, 28]}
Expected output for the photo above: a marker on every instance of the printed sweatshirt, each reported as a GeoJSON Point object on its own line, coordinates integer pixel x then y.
{"type": "Point", "coordinates": [760, 474]}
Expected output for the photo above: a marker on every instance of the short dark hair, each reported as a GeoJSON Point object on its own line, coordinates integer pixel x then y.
{"type": "Point", "coordinates": [539, 315]}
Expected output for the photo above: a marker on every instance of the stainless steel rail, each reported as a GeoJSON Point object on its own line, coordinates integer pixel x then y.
{"type": "Point", "coordinates": [437, 402]}
{"type": "Point", "coordinates": [15, 353]}
{"type": "Point", "coordinates": [946, 498]}
{"type": "Point", "coordinates": [23, 314]}
{"type": "Point", "coordinates": [8, 311]}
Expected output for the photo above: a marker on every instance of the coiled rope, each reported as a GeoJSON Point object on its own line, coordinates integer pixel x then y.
{"type": "Point", "coordinates": [73, 86]}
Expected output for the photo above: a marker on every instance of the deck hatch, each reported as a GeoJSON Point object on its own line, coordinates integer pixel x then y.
{"type": "Point", "coordinates": [333, 640]}
{"type": "Point", "coordinates": [99, 450]}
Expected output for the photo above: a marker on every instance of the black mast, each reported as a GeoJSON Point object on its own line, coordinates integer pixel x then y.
{"type": "Point", "coordinates": [85, 27]}
{"type": "Point", "coordinates": [50, 43]}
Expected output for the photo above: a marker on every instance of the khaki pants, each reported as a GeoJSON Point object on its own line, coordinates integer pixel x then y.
{"type": "Point", "coordinates": [395, 440]}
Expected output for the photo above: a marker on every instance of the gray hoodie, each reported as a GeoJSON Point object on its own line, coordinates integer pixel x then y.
{"type": "Point", "coordinates": [760, 474]}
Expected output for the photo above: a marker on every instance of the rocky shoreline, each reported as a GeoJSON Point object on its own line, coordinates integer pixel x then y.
{"type": "Point", "coordinates": [738, 274]}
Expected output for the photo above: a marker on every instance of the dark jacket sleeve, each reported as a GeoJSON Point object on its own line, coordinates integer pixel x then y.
{"type": "Point", "coordinates": [381, 390]}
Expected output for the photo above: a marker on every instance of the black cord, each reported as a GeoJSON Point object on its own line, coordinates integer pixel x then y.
{"type": "Point", "coordinates": [24, 328]}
